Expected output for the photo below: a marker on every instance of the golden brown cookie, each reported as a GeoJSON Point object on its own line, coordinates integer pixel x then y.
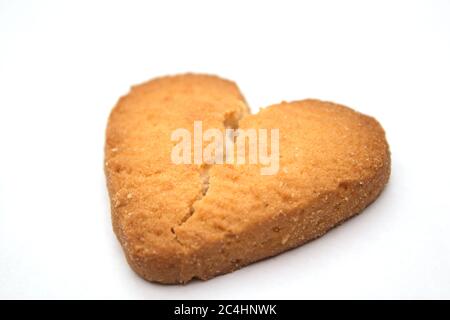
{"type": "Point", "coordinates": [185, 221]}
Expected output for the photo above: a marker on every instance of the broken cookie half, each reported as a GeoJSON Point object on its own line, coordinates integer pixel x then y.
{"type": "Point", "coordinates": [179, 220]}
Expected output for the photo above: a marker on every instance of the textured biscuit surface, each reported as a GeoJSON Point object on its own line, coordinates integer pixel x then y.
{"type": "Point", "coordinates": [179, 222]}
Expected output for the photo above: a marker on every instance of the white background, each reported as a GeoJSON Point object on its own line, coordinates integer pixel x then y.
{"type": "Point", "coordinates": [63, 65]}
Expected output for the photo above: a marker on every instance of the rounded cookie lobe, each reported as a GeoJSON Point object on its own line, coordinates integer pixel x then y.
{"type": "Point", "coordinates": [333, 163]}
{"type": "Point", "coordinates": [149, 194]}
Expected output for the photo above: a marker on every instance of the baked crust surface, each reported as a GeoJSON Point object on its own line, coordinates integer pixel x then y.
{"type": "Point", "coordinates": [179, 222]}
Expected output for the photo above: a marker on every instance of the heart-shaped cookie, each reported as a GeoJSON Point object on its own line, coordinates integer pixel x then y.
{"type": "Point", "coordinates": [182, 221]}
